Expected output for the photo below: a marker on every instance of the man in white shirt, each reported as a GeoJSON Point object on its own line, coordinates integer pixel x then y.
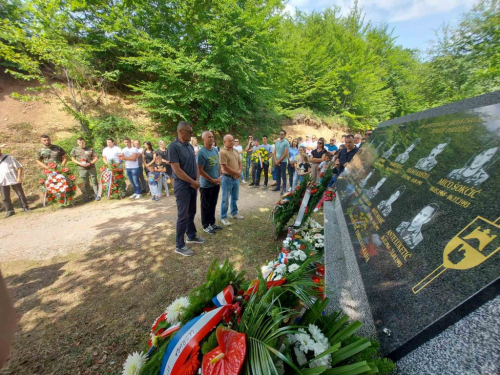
{"type": "Point", "coordinates": [130, 156]}
{"type": "Point", "coordinates": [110, 153]}
{"type": "Point", "coordinates": [357, 140]}
{"type": "Point", "coordinates": [239, 148]}
{"type": "Point", "coordinates": [11, 176]}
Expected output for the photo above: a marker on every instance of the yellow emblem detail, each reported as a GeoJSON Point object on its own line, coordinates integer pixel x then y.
{"type": "Point", "coordinates": [473, 245]}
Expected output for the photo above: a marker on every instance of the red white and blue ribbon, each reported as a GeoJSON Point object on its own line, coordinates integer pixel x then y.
{"type": "Point", "coordinates": [187, 338]}
{"type": "Point", "coordinates": [225, 297]}
{"type": "Point", "coordinates": [283, 258]}
{"type": "Point", "coordinates": [260, 161]}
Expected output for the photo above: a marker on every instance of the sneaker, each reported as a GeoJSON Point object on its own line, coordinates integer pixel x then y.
{"type": "Point", "coordinates": [252, 184]}
{"type": "Point", "coordinates": [216, 227]}
{"type": "Point", "coordinates": [97, 198]}
{"type": "Point", "coordinates": [243, 182]}
{"type": "Point", "coordinates": [195, 240]}
{"type": "Point", "coordinates": [138, 196]}
{"type": "Point", "coordinates": [237, 216]}
{"type": "Point", "coordinates": [124, 194]}
{"type": "Point", "coordinates": [255, 186]}
{"type": "Point", "coordinates": [276, 189]}
{"type": "Point", "coordinates": [26, 209]}
{"type": "Point", "coordinates": [153, 198]}
{"type": "Point", "coordinates": [132, 196]}
{"type": "Point", "coordinates": [225, 222]}
{"type": "Point", "coordinates": [184, 251]}
{"type": "Point", "coordinates": [86, 200]}
{"type": "Point", "coordinates": [157, 199]}
{"type": "Point", "coordinates": [209, 229]}
{"type": "Point", "coordinates": [289, 190]}
{"type": "Point", "coordinates": [9, 214]}
{"type": "Point", "coordinates": [264, 187]}
{"type": "Point", "coordinates": [283, 192]}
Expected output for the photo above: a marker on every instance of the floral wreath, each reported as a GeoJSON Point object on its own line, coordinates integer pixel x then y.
{"type": "Point", "coordinates": [261, 155]}
{"type": "Point", "coordinates": [112, 180]}
{"type": "Point", "coordinates": [58, 185]}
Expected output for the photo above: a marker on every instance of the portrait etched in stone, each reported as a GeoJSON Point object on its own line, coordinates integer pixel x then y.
{"type": "Point", "coordinates": [373, 191]}
{"type": "Point", "coordinates": [426, 164]}
{"type": "Point", "coordinates": [389, 152]}
{"type": "Point", "coordinates": [474, 171]}
{"type": "Point", "coordinates": [385, 207]}
{"type": "Point", "coordinates": [402, 158]}
{"type": "Point", "coordinates": [411, 232]}
{"type": "Point", "coordinates": [365, 180]}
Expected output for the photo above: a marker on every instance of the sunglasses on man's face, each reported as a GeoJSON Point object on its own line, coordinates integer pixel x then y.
{"type": "Point", "coordinates": [188, 131]}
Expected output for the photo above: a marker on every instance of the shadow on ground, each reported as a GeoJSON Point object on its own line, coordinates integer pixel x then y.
{"type": "Point", "coordinates": [82, 314]}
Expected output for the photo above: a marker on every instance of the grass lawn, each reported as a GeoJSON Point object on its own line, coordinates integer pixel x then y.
{"type": "Point", "coordinates": [85, 312]}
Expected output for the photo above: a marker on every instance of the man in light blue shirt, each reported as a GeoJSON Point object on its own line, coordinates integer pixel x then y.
{"type": "Point", "coordinates": [280, 157]}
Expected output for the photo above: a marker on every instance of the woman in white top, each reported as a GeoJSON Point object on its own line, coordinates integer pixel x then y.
{"type": "Point", "coordinates": [137, 144]}
{"type": "Point", "coordinates": [194, 143]}
{"type": "Point", "coordinates": [110, 153]}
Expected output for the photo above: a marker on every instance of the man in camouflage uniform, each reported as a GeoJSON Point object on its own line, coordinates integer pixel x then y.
{"type": "Point", "coordinates": [85, 158]}
{"type": "Point", "coordinates": [50, 153]}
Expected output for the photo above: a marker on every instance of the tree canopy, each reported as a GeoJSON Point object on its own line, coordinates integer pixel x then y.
{"type": "Point", "coordinates": [229, 65]}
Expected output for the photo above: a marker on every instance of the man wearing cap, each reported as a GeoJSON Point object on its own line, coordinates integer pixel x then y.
{"type": "Point", "coordinates": [50, 153]}
{"type": "Point", "coordinates": [11, 176]}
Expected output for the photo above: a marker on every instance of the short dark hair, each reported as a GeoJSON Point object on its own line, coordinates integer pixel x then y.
{"type": "Point", "coordinates": [283, 130]}
{"type": "Point", "coordinates": [44, 136]}
{"type": "Point", "coordinates": [80, 139]}
{"type": "Point", "coordinates": [183, 125]}
{"type": "Point", "coordinates": [264, 136]}
{"type": "Point", "coordinates": [344, 135]}
{"type": "Point", "coordinates": [126, 139]}
{"type": "Point", "coordinates": [256, 139]}
{"type": "Point", "coordinates": [349, 136]}
{"type": "Point", "coordinates": [110, 139]}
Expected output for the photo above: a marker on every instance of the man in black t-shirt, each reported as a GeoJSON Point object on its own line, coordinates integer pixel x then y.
{"type": "Point", "coordinates": [347, 153]}
{"type": "Point", "coordinates": [186, 183]}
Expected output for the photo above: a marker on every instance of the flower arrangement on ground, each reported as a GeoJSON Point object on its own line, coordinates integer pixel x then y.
{"type": "Point", "coordinates": [231, 326]}
{"type": "Point", "coordinates": [112, 180]}
{"type": "Point", "coordinates": [260, 156]}
{"type": "Point", "coordinates": [58, 185]}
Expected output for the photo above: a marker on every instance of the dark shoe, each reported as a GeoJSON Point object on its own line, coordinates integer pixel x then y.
{"type": "Point", "coordinates": [97, 198]}
{"type": "Point", "coordinates": [185, 251]}
{"type": "Point", "coordinates": [252, 184]}
{"type": "Point", "coordinates": [195, 240]}
{"type": "Point", "coordinates": [143, 191]}
{"type": "Point", "coordinates": [276, 189]}
{"type": "Point", "coordinates": [26, 209]}
{"type": "Point", "coordinates": [9, 214]}
{"type": "Point", "coordinates": [209, 229]}
{"type": "Point", "coordinates": [87, 200]}
{"type": "Point", "coordinates": [216, 227]}
{"type": "Point", "coordinates": [264, 187]}
{"type": "Point", "coordinates": [255, 186]}
{"type": "Point", "coordinates": [283, 192]}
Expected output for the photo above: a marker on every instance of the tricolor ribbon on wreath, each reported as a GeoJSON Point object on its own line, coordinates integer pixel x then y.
{"type": "Point", "coordinates": [189, 335]}
{"type": "Point", "coordinates": [260, 161]}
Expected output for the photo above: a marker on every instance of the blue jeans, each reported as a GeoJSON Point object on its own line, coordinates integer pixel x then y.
{"type": "Point", "coordinates": [295, 179]}
{"type": "Point", "coordinates": [230, 188]}
{"type": "Point", "coordinates": [247, 169]}
{"type": "Point", "coordinates": [133, 176]}
{"type": "Point", "coordinates": [281, 175]}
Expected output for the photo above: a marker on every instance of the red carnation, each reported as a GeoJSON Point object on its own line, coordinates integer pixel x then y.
{"type": "Point", "coordinates": [65, 169]}
{"type": "Point", "coordinates": [49, 199]}
{"type": "Point", "coordinates": [67, 189]}
{"type": "Point", "coordinates": [314, 191]}
{"type": "Point", "coordinates": [72, 177]}
{"type": "Point", "coordinates": [52, 165]}
{"type": "Point", "coordinates": [41, 181]}
{"type": "Point", "coordinates": [73, 188]}
{"type": "Point", "coordinates": [307, 209]}
{"type": "Point", "coordinates": [70, 199]}
{"type": "Point", "coordinates": [61, 201]}
{"type": "Point", "coordinates": [46, 171]}
{"type": "Point", "coordinates": [102, 169]}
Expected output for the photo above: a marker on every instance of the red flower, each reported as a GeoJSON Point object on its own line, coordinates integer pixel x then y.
{"type": "Point", "coordinates": [307, 209]}
{"type": "Point", "coordinates": [70, 199]}
{"type": "Point", "coordinates": [302, 247]}
{"type": "Point", "coordinates": [65, 169]}
{"type": "Point", "coordinates": [102, 169]}
{"type": "Point", "coordinates": [61, 201]}
{"type": "Point", "coordinates": [46, 171]}
{"type": "Point", "coordinates": [62, 195]}
{"type": "Point", "coordinates": [73, 188]}
{"type": "Point", "coordinates": [52, 165]}
{"type": "Point", "coordinates": [314, 191]}
{"type": "Point", "coordinates": [49, 199]}
{"type": "Point", "coordinates": [41, 181]}
{"type": "Point", "coordinates": [67, 189]}
{"type": "Point", "coordinates": [72, 177]}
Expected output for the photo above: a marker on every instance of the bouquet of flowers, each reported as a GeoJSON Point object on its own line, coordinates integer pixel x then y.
{"type": "Point", "coordinates": [229, 326]}
{"type": "Point", "coordinates": [58, 185]}
{"type": "Point", "coordinates": [260, 156]}
{"type": "Point", "coordinates": [112, 180]}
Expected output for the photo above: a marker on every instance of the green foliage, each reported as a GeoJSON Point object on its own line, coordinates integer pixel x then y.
{"type": "Point", "coordinates": [153, 365]}
{"type": "Point", "coordinates": [110, 126]}
{"type": "Point", "coordinates": [218, 277]}
{"type": "Point", "coordinates": [210, 343]}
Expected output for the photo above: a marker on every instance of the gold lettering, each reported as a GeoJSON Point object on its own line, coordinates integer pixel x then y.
{"type": "Point", "coordinates": [391, 251]}
{"type": "Point", "coordinates": [468, 191]}
{"type": "Point", "coordinates": [417, 173]}
{"type": "Point", "coordinates": [405, 253]}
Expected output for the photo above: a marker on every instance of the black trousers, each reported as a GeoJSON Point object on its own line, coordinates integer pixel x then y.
{"type": "Point", "coordinates": [291, 171]}
{"type": "Point", "coordinates": [7, 203]}
{"type": "Point", "coordinates": [257, 170]}
{"type": "Point", "coordinates": [209, 198]}
{"type": "Point", "coordinates": [185, 197]}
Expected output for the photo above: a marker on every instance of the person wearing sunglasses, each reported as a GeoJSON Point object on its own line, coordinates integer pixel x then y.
{"type": "Point", "coordinates": [331, 147]}
{"type": "Point", "coordinates": [317, 156]}
{"type": "Point", "coordinates": [239, 148]}
{"type": "Point", "coordinates": [186, 185]}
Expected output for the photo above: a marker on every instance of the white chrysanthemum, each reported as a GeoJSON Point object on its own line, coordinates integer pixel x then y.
{"type": "Point", "coordinates": [293, 267]}
{"type": "Point", "coordinates": [277, 276]}
{"type": "Point", "coordinates": [301, 357]}
{"type": "Point", "coordinates": [280, 269]}
{"type": "Point", "coordinates": [176, 309]}
{"type": "Point", "coordinates": [134, 363]}
{"type": "Point", "coordinates": [300, 255]}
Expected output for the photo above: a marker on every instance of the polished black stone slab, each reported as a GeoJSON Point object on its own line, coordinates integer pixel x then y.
{"type": "Point", "coordinates": [421, 200]}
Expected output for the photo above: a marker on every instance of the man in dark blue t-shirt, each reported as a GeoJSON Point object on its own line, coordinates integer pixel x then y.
{"type": "Point", "coordinates": [185, 173]}
{"type": "Point", "coordinates": [346, 154]}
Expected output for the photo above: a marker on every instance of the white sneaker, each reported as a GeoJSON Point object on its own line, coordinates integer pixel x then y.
{"type": "Point", "coordinates": [138, 196]}
{"type": "Point", "coordinates": [243, 182]}
{"type": "Point", "coordinates": [132, 196]}
{"type": "Point", "coordinates": [237, 216]}
{"type": "Point", "coordinates": [225, 222]}
{"type": "Point", "coordinates": [289, 190]}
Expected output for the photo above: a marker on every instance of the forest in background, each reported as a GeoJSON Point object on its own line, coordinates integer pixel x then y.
{"type": "Point", "coordinates": [233, 65]}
